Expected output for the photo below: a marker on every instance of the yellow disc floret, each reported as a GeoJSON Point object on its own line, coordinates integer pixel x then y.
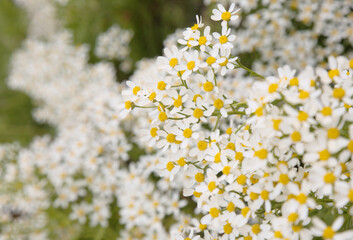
{"type": "Point", "coordinates": [173, 62]}
{"type": "Point", "coordinates": [333, 73]}
{"type": "Point", "coordinates": [328, 233]}
{"type": "Point", "coordinates": [272, 88]}
{"type": "Point", "coordinates": [190, 65]}
{"type": "Point", "coordinates": [223, 39]}
{"type": "Point", "coordinates": [128, 105]}
{"type": "Point", "coordinates": [153, 132]}
{"type": "Point", "coordinates": [202, 145]}
{"type": "Point", "coordinates": [187, 133]}
{"type": "Point", "coordinates": [170, 138]}
{"type": "Point", "coordinates": [214, 212]}
{"type": "Point", "coordinates": [329, 178]}
{"type": "Point", "coordinates": [226, 16]}
{"type": "Point", "coordinates": [338, 93]}
{"type": "Point", "coordinates": [170, 166]}
{"type": "Point", "coordinates": [333, 133]}
{"type": "Point", "coordinates": [199, 177]}
{"type": "Point", "coordinates": [161, 85]}
{"type": "Point", "coordinates": [228, 228]}
{"type": "Point", "coordinates": [162, 116]}
{"type": "Point", "coordinates": [208, 86]}
{"type": "Point", "coordinates": [135, 90]}
{"type": "Point", "coordinates": [202, 40]}
{"type": "Point", "coordinates": [198, 113]}
{"type": "Point", "coordinates": [262, 154]}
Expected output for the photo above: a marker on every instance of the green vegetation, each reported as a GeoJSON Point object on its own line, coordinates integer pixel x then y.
{"type": "Point", "coordinates": [16, 122]}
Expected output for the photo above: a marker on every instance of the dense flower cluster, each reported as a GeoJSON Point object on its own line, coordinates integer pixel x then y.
{"type": "Point", "coordinates": [226, 155]}
{"type": "Point", "coordinates": [114, 45]}
{"type": "Point", "coordinates": [294, 32]}
{"type": "Point", "coordinates": [262, 160]}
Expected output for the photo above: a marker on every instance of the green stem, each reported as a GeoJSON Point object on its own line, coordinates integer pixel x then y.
{"type": "Point", "coordinates": [215, 127]}
{"type": "Point", "coordinates": [252, 73]}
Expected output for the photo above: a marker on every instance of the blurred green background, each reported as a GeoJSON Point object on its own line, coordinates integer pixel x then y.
{"type": "Point", "coordinates": [150, 20]}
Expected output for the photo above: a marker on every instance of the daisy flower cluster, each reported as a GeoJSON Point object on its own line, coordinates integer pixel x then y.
{"type": "Point", "coordinates": [294, 32]}
{"type": "Point", "coordinates": [22, 197]}
{"type": "Point", "coordinates": [269, 160]}
{"type": "Point", "coordinates": [226, 153]}
{"type": "Point", "coordinates": [114, 45]}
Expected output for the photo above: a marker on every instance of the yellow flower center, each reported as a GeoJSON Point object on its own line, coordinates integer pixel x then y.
{"type": "Point", "coordinates": [296, 136]}
{"type": "Point", "coordinates": [326, 111]}
{"type": "Point", "coordinates": [211, 186]}
{"type": "Point", "coordinates": [223, 39]}
{"type": "Point", "coordinates": [217, 158]}
{"type": "Point", "coordinates": [259, 112]}
{"type": "Point", "coordinates": [226, 16]}
{"type": "Point", "coordinates": [152, 96]}
{"type": "Point", "coordinates": [178, 102]}
{"type": "Point", "coordinates": [351, 63]}
{"type": "Point", "coordinates": [293, 217]}
{"type": "Point", "coordinates": [128, 105]}
{"type": "Point", "coordinates": [264, 194]}
{"type": "Point", "coordinates": [214, 212]}
{"type": "Point", "coordinates": [202, 226]}
{"type": "Point", "coordinates": [135, 90]}
{"type": "Point", "coordinates": [303, 94]}
{"type": "Point", "coordinates": [333, 73]}
{"type": "Point", "coordinates": [208, 86]}
{"type": "Point", "coordinates": [218, 103]}
{"type": "Point", "coordinates": [210, 60]}
{"type": "Point", "coordinates": [241, 179]}
{"type": "Point", "coordinates": [195, 27]}
{"type": "Point", "coordinates": [227, 228]}
{"type": "Point", "coordinates": [190, 65]}
{"type": "Point", "coordinates": [328, 233]}
{"type": "Point", "coordinates": [301, 198]}
{"type": "Point", "coordinates": [202, 40]}
{"type": "Point", "coordinates": [199, 177]}
{"type": "Point", "coordinates": [187, 133]}
{"type": "Point", "coordinates": [162, 116]}
{"type": "Point", "coordinates": [198, 113]}
{"type": "Point", "coordinates": [333, 133]}
{"type": "Point", "coordinates": [278, 234]}
{"type": "Point", "coordinates": [302, 116]}
{"type": "Point", "coordinates": [153, 132]}
{"type": "Point", "coordinates": [170, 166]}
{"type": "Point", "coordinates": [262, 154]}
{"type": "Point", "coordinates": [226, 170]}
{"type": "Point", "coordinates": [171, 138]}
{"type": "Point", "coordinates": [197, 194]}
{"type": "Point", "coordinates": [294, 82]}
{"type": "Point", "coordinates": [338, 93]}
{"type": "Point", "coordinates": [224, 63]}
{"type": "Point", "coordinates": [253, 196]}
{"type": "Point", "coordinates": [350, 195]}
{"type": "Point", "coordinates": [239, 156]}
{"type": "Point", "coordinates": [230, 207]}
{"type": "Point", "coordinates": [284, 179]}
{"type": "Point", "coordinates": [329, 178]}
{"type": "Point", "coordinates": [161, 85]}
{"type": "Point", "coordinates": [272, 88]}
{"type": "Point", "coordinates": [181, 162]}
{"type": "Point", "coordinates": [202, 145]}
{"type": "Point", "coordinates": [324, 155]}
{"type": "Point", "coordinates": [173, 62]}
{"type": "Point", "coordinates": [245, 211]}
{"type": "Point", "coordinates": [256, 228]}
{"type": "Point", "coordinates": [350, 146]}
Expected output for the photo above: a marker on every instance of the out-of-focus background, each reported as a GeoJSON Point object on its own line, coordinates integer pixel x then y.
{"type": "Point", "coordinates": [150, 20]}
